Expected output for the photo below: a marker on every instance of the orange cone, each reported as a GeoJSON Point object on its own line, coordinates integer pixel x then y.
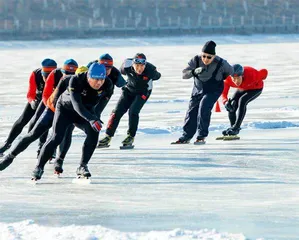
{"type": "Point", "coordinates": [217, 108]}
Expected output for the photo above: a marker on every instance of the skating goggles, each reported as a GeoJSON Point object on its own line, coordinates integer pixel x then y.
{"type": "Point", "coordinates": [206, 56]}
{"type": "Point", "coordinates": [139, 61]}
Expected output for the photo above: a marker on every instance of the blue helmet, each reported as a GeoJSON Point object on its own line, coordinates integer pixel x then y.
{"type": "Point", "coordinates": [97, 71]}
{"type": "Point", "coordinates": [238, 70]}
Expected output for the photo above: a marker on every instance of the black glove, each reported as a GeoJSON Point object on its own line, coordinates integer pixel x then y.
{"type": "Point", "coordinates": [228, 106]}
{"type": "Point", "coordinates": [96, 125]}
{"type": "Point", "coordinates": [34, 104]}
{"type": "Point", "coordinates": [197, 71]}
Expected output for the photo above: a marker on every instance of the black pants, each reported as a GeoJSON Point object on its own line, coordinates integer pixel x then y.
{"type": "Point", "coordinates": [241, 98]}
{"type": "Point", "coordinates": [23, 120]}
{"type": "Point", "coordinates": [63, 119]}
{"type": "Point", "coordinates": [42, 126]}
{"type": "Point", "coordinates": [133, 103]}
{"type": "Point", "coordinates": [198, 116]}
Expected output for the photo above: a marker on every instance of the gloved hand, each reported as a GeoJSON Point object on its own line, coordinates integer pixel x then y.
{"type": "Point", "coordinates": [96, 125]}
{"type": "Point", "coordinates": [198, 71]}
{"type": "Point", "coordinates": [34, 104]}
{"type": "Point", "coordinates": [228, 106]}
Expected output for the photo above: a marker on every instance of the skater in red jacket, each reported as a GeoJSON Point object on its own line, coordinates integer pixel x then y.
{"type": "Point", "coordinates": [249, 83]}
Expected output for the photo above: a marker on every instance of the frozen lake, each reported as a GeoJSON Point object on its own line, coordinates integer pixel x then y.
{"type": "Point", "coordinates": [247, 189]}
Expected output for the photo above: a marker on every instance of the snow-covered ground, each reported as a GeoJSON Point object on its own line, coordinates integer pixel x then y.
{"type": "Point", "coordinates": [247, 189]}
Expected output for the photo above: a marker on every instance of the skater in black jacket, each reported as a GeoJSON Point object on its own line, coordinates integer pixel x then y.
{"type": "Point", "coordinates": [135, 93]}
{"type": "Point", "coordinates": [78, 105]}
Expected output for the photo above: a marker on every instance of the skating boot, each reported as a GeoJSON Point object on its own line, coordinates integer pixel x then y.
{"type": "Point", "coordinates": [182, 140]}
{"type": "Point", "coordinates": [200, 141]}
{"type": "Point", "coordinates": [127, 142]}
{"type": "Point", "coordinates": [233, 131]}
{"type": "Point", "coordinates": [6, 161]}
{"type": "Point", "coordinates": [37, 173]}
{"type": "Point", "coordinates": [104, 142]}
{"type": "Point", "coordinates": [58, 166]}
{"type": "Point", "coordinates": [83, 171]}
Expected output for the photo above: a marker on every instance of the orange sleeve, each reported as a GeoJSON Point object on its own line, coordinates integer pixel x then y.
{"type": "Point", "coordinates": [50, 100]}
{"type": "Point", "coordinates": [49, 87]}
{"type": "Point", "coordinates": [31, 94]}
{"type": "Point", "coordinates": [225, 89]}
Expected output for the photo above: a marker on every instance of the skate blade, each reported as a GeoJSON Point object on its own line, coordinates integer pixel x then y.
{"type": "Point", "coordinates": [126, 147]}
{"type": "Point", "coordinates": [175, 143]}
{"type": "Point", "coordinates": [220, 138]}
{"type": "Point", "coordinates": [57, 174]}
{"type": "Point", "coordinates": [231, 138]}
{"type": "Point", "coordinates": [199, 143]}
{"type": "Point", "coordinates": [82, 181]}
{"type": "Point", "coordinates": [103, 146]}
{"type": "Point", "coordinates": [34, 181]}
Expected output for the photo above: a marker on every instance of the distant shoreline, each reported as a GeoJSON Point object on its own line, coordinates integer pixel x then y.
{"type": "Point", "coordinates": [9, 35]}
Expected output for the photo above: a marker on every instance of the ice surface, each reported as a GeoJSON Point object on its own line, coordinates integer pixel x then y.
{"type": "Point", "coordinates": [246, 189]}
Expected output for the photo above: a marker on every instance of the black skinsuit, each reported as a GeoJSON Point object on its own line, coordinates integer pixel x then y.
{"type": "Point", "coordinates": [78, 105]}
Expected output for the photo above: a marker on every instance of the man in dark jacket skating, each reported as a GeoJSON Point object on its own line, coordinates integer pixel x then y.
{"type": "Point", "coordinates": [208, 71]}
{"type": "Point", "coordinates": [136, 92]}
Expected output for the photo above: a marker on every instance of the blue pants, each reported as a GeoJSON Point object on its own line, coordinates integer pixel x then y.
{"type": "Point", "coordinates": [198, 116]}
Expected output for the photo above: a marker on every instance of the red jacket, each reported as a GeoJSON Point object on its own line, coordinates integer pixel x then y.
{"type": "Point", "coordinates": [36, 85]}
{"type": "Point", "coordinates": [252, 79]}
{"type": "Point", "coordinates": [51, 83]}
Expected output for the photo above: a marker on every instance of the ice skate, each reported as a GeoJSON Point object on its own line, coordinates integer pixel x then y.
{"type": "Point", "coordinates": [199, 141]}
{"type": "Point", "coordinates": [37, 174]}
{"type": "Point", "coordinates": [104, 142]}
{"type": "Point", "coordinates": [127, 143]}
{"type": "Point", "coordinates": [83, 175]}
{"type": "Point", "coordinates": [58, 167]}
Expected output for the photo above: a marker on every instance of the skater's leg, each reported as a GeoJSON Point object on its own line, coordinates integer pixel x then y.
{"type": "Point", "coordinates": [205, 112]}
{"type": "Point", "coordinates": [121, 108]}
{"type": "Point", "coordinates": [246, 98]}
{"type": "Point", "coordinates": [18, 127]}
{"type": "Point", "coordinates": [134, 111]}
{"type": "Point", "coordinates": [39, 111]}
{"type": "Point", "coordinates": [62, 120]}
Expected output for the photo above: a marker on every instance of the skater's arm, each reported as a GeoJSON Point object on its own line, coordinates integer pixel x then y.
{"type": "Point", "coordinates": [188, 72]}
{"type": "Point", "coordinates": [225, 90]}
{"type": "Point", "coordinates": [99, 108]}
{"type": "Point", "coordinates": [49, 86]}
{"type": "Point", "coordinates": [127, 63]}
{"type": "Point", "coordinates": [31, 94]}
{"type": "Point", "coordinates": [120, 82]}
{"type": "Point", "coordinates": [227, 69]}
{"type": "Point", "coordinates": [151, 71]}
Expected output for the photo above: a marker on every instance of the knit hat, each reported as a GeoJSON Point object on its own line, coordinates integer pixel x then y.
{"type": "Point", "coordinates": [81, 69]}
{"type": "Point", "coordinates": [70, 66]}
{"type": "Point", "coordinates": [97, 71]}
{"type": "Point", "coordinates": [47, 66]}
{"type": "Point", "coordinates": [107, 60]}
{"type": "Point", "coordinates": [139, 58]}
{"type": "Point", "coordinates": [238, 70]}
{"type": "Point", "coordinates": [209, 47]}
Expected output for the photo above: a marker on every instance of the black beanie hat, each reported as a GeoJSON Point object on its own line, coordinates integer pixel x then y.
{"type": "Point", "coordinates": [209, 47]}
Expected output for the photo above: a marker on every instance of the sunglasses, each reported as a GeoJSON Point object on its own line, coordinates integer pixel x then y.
{"type": "Point", "coordinates": [206, 56]}
{"type": "Point", "coordinates": [139, 61]}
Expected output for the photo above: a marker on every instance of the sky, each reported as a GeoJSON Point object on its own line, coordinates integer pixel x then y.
{"type": "Point", "coordinates": [246, 189]}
